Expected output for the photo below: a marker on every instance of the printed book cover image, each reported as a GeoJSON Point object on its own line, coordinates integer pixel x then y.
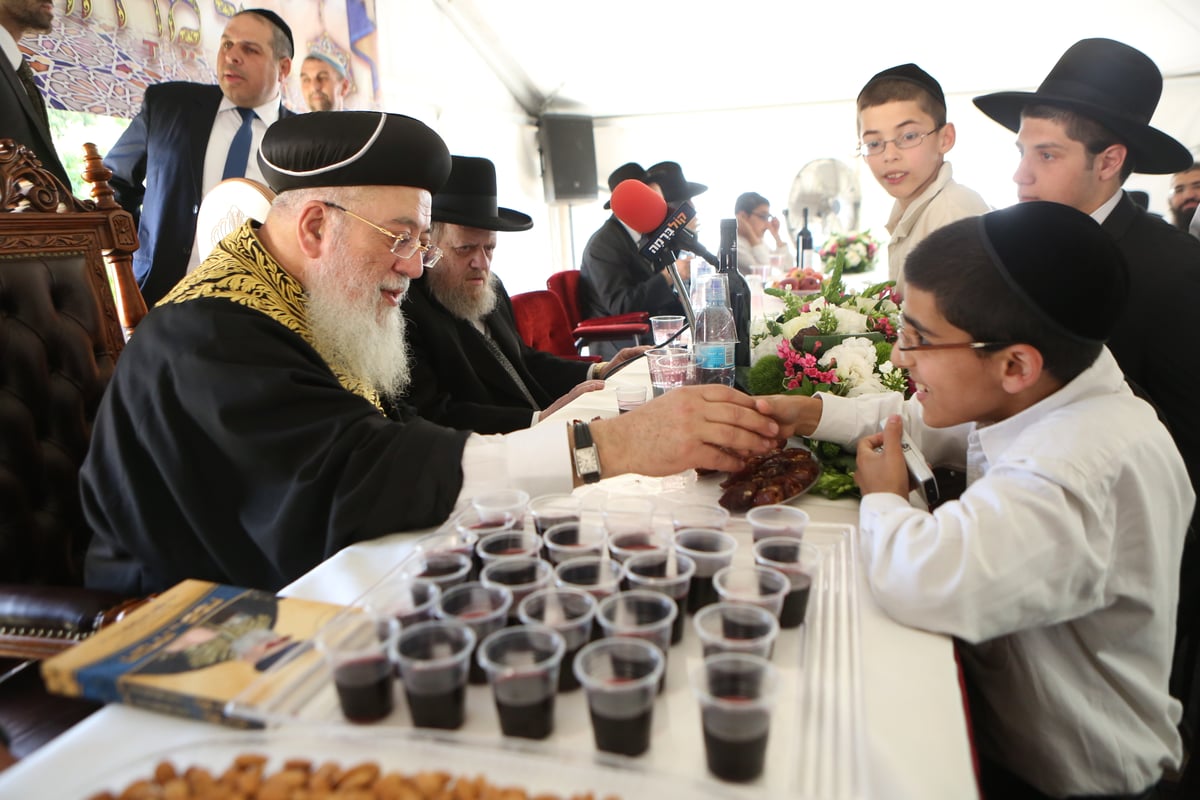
{"type": "Point", "coordinates": [192, 649]}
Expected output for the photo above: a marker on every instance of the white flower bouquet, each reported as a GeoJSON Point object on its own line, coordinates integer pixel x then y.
{"type": "Point", "coordinates": [831, 341]}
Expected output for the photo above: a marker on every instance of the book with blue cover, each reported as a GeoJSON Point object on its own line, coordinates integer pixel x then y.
{"type": "Point", "coordinates": [192, 649]}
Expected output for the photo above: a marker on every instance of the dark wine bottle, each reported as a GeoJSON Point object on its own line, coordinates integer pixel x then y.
{"type": "Point", "coordinates": [739, 291]}
{"type": "Point", "coordinates": [806, 255]}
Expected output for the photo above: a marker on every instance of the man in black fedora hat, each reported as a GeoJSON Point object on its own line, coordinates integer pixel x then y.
{"type": "Point", "coordinates": [471, 369]}
{"type": "Point", "coordinates": [254, 425]}
{"type": "Point", "coordinates": [1080, 135]}
{"type": "Point", "coordinates": [615, 278]}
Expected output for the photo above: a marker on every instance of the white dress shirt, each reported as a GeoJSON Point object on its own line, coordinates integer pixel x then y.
{"type": "Point", "coordinates": [8, 46]}
{"type": "Point", "coordinates": [225, 126]}
{"type": "Point", "coordinates": [1059, 566]}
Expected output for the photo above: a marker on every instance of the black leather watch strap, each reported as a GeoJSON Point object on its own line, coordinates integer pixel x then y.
{"type": "Point", "coordinates": [587, 459]}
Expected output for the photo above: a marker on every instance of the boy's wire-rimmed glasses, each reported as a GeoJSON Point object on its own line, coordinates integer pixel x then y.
{"type": "Point", "coordinates": [404, 245]}
{"type": "Point", "coordinates": [905, 343]}
{"type": "Point", "coordinates": [905, 141]}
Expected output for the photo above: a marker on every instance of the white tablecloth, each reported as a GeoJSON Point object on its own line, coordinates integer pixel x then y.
{"type": "Point", "coordinates": [916, 744]}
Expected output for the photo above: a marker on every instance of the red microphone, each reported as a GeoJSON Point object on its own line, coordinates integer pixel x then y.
{"type": "Point", "coordinates": [638, 206]}
{"type": "Point", "coordinates": [664, 229]}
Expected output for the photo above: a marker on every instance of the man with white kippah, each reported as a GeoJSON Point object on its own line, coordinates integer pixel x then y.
{"type": "Point", "coordinates": [323, 82]}
{"type": "Point", "coordinates": [252, 427]}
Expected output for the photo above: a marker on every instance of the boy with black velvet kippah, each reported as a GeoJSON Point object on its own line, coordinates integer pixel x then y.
{"type": "Point", "coordinates": [904, 138]}
{"type": "Point", "coordinates": [1058, 566]}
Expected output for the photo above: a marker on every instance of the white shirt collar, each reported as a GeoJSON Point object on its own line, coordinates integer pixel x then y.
{"type": "Point", "coordinates": [1101, 213]}
{"type": "Point", "coordinates": [1102, 376]}
{"type": "Point", "coordinates": [9, 46]}
{"type": "Point", "coordinates": [268, 112]}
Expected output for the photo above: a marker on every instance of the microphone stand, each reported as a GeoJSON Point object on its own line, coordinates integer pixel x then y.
{"type": "Point", "coordinates": [685, 296]}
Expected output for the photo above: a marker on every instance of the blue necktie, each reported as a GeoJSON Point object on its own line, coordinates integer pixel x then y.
{"type": "Point", "coordinates": [239, 148]}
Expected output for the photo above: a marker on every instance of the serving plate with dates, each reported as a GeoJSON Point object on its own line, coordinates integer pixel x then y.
{"type": "Point", "coordinates": [779, 476]}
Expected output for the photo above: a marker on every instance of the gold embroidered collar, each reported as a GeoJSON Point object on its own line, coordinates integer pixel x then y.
{"type": "Point", "coordinates": [242, 271]}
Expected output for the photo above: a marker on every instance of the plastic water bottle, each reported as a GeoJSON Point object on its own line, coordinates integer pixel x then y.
{"type": "Point", "coordinates": [716, 334]}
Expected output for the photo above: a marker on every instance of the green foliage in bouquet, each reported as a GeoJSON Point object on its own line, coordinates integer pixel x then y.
{"type": "Point", "coordinates": [831, 341]}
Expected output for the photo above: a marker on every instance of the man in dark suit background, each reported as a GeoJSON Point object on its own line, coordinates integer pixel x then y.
{"type": "Point", "coordinates": [470, 368]}
{"type": "Point", "coordinates": [22, 109]}
{"type": "Point", "coordinates": [188, 137]}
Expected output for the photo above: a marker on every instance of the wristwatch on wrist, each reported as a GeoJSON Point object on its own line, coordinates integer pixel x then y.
{"type": "Point", "coordinates": [587, 460]}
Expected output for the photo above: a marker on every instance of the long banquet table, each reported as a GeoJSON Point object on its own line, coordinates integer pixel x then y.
{"type": "Point", "coordinates": [906, 738]}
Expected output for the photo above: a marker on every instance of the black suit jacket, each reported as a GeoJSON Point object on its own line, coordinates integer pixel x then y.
{"type": "Point", "coordinates": [21, 123]}
{"type": "Point", "coordinates": [457, 381]}
{"type": "Point", "coordinates": [158, 176]}
{"type": "Point", "coordinates": [1154, 341]}
{"type": "Point", "coordinates": [616, 279]}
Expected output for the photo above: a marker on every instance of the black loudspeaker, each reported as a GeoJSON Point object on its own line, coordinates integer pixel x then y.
{"type": "Point", "coordinates": [568, 158]}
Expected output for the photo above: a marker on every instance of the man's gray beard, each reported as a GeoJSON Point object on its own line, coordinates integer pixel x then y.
{"type": "Point", "coordinates": [461, 300]}
{"type": "Point", "coordinates": [349, 338]}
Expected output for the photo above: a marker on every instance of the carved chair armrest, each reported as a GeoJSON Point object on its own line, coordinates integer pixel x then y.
{"type": "Point", "coordinates": [39, 621]}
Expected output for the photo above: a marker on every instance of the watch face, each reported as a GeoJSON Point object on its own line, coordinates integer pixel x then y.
{"type": "Point", "coordinates": [586, 462]}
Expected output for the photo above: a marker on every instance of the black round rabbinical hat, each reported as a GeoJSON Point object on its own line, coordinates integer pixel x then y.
{"type": "Point", "coordinates": [469, 198]}
{"type": "Point", "coordinates": [352, 148]}
{"type": "Point", "coordinates": [1111, 83]}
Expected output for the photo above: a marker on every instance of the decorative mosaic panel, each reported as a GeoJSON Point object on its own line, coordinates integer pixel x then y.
{"type": "Point", "coordinates": [101, 55]}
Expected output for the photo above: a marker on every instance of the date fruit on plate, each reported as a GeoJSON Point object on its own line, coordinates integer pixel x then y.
{"type": "Point", "coordinates": [774, 477]}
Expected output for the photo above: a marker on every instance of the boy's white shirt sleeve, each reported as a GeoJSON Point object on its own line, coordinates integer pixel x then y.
{"type": "Point", "coordinates": [537, 460]}
{"type": "Point", "coordinates": [957, 570]}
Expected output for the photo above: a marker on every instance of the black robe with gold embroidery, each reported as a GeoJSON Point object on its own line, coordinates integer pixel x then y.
{"type": "Point", "coordinates": [226, 448]}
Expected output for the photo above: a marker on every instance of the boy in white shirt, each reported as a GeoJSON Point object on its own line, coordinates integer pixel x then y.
{"type": "Point", "coordinates": [904, 138]}
{"type": "Point", "coordinates": [1058, 566]}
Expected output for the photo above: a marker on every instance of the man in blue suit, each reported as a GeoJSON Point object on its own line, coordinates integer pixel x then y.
{"type": "Point", "coordinates": [188, 137]}
{"type": "Point", "coordinates": [22, 109]}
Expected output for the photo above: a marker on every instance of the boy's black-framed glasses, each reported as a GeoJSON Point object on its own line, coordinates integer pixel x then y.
{"type": "Point", "coordinates": [905, 344]}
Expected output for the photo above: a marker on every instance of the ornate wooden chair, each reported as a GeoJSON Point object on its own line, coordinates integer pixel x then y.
{"type": "Point", "coordinates": [67, 303]}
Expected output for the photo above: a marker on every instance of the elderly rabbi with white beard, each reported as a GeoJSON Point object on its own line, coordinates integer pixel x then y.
{"type": "Point", "coordinates": [251, 428]}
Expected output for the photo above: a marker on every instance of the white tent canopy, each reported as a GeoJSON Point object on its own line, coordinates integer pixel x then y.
{"type": "Point", "coordinates": [741, 94]}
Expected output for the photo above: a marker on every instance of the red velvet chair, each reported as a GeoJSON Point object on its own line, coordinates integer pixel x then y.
{"type": "Point", "coordinates": [542, 323]}
{"type": "Point", "coordinates": [635, 325]}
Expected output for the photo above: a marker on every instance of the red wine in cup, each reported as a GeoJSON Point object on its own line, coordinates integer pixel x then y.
{"type": "Point", "coordinates": [628, 736]}
{"type": "Point", "coordinates": [524, 706]}
{"type": "Point", "coordinates": [444, 710]}
{"type": "Point", "coordinates": [364, 688]}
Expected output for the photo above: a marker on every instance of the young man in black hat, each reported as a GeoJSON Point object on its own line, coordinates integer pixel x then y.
{"type": "Point", "coordinates": [1058, 565]}
{"type": "Point", "coordinates": [250, 429]}
{"type": "Point", "coordinates": [323, 81]}
{"type": "Point", "coordinates": [188, 137]}
{"type": "Point", "coordinates": [904, 137]}
{"type": "Point", "coordinates": [615, 278]}
{"type": "Point", "coordinates": [1080, 135]}
{"type": "Point", "coordinates": [471, 370]}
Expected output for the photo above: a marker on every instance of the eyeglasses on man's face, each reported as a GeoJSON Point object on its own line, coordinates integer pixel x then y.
{"type": "Point", "coordinates": [404, 245]}
{"type": "Point", "coordinates": [909, 340]}
{"type": "Point", "coordinates": [764, 217]}
{"type": "Point", "coordinates": [905, 141]}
